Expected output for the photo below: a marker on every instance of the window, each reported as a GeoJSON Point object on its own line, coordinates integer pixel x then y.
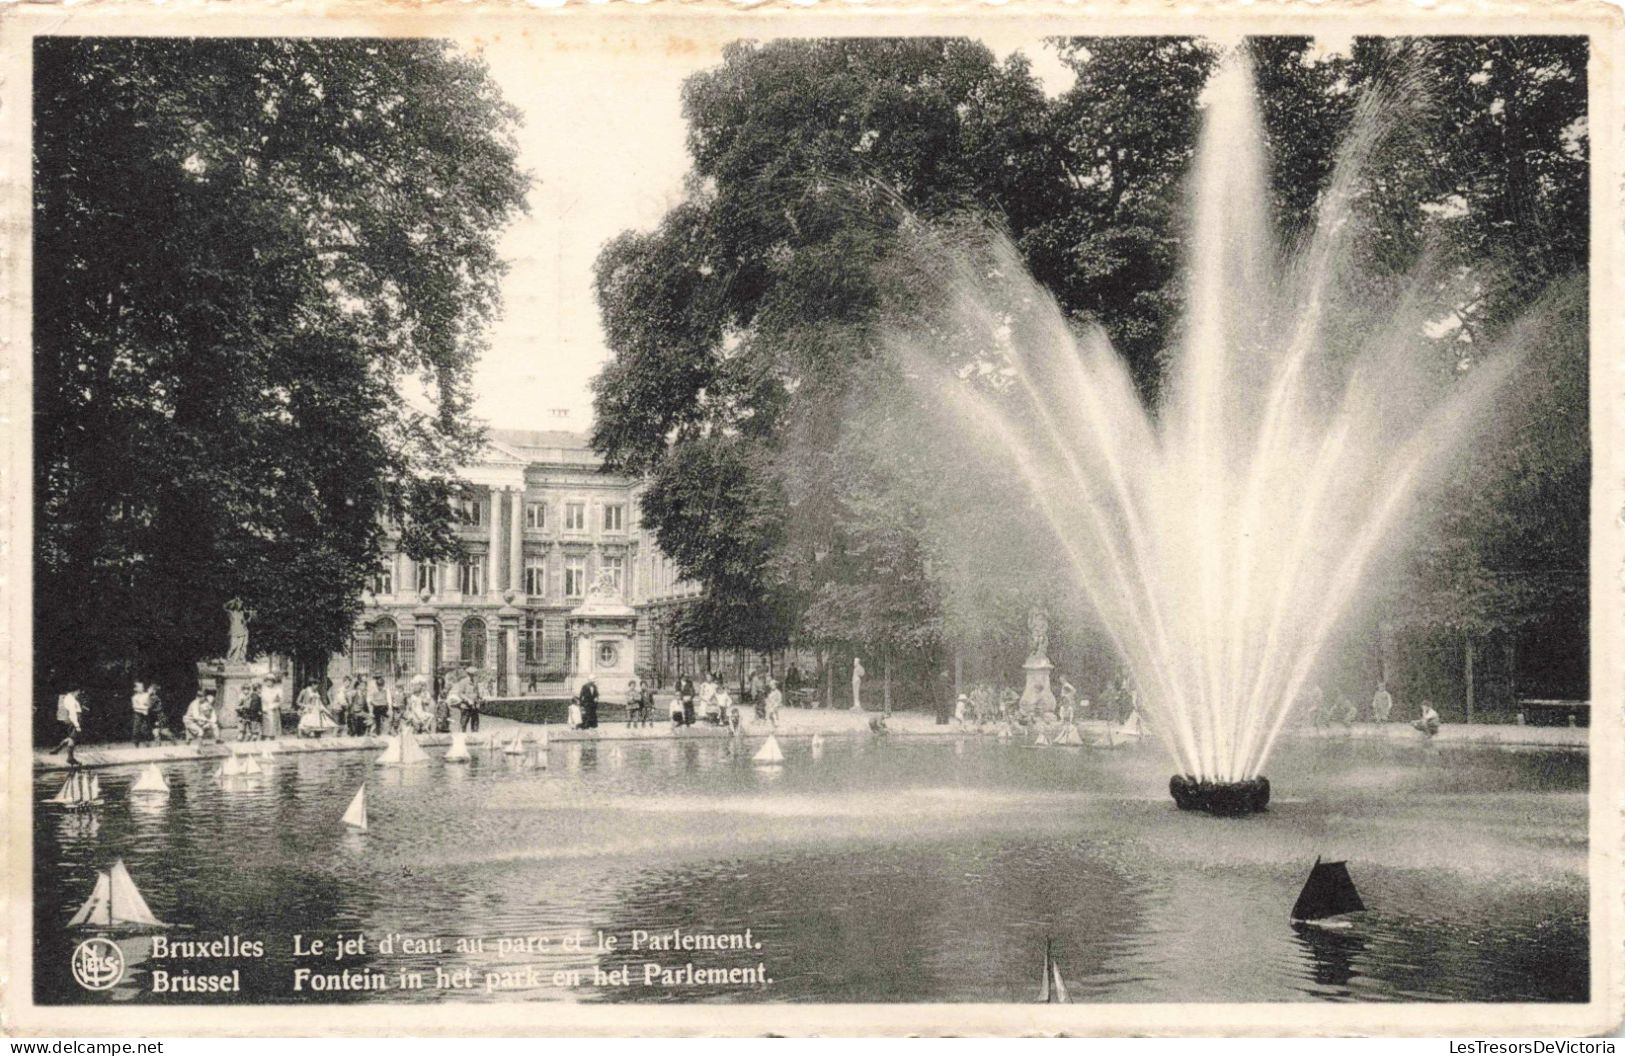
{"type": "Point", "coordinates": [426, 577]}
{"type": "Point", "coordinates": [575, 577]}
{"type": "Point", "coordinates": [385, 640]}
{"type": "Point", "coordinates": [612, 568]}
{"type": "Point", "coordinates": [383, 583]}
{"type": "Point", "coordinates": [575, 516]}
{"type": "Point", "coordinates": [615, 518]}
{"type": "Point", "coordinates": [473, 642]}
{"type": "Point", "coordinates": [533, 639]}
{"type": "Point", "coordinates": [535, 515]}
{"type": "Point", "coordinates": [468, 509]}
{"type": "Point", "coordinates": [468, 574]}
{"type": "Point", "coordinates": [536, 576]}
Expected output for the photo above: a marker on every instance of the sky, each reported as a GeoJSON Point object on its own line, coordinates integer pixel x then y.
{"type": "Point", "coordinates": [603, 138]}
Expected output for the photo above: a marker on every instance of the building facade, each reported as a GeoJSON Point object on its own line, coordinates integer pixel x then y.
{"type": "Point", "coordinates": [542, 527]}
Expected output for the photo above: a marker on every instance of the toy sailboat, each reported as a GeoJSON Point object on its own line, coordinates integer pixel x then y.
{"type": "Point", "coordinates": [1053, 990]}
{"type": "Point", "coordinates": [1069, 736]}
{"type": "Point", "coordinates": [1329, 892]}
{"type": "Point", "coordinates": [81, 789]}
{"type": "Point", "coordinates": [151, 780]}
{"type": "Point", "coordinates": [517, 745]}
{"type": "Point", "coordinates": [1041, 741]}
{"type": "Point", "coordinates": [458, 752]}
{"type": "Point", "coordinates": [249, 766]}
{"type": "Point", "coordinates": [1132, 728]}
{"type": "Point", "coordinates": [541, 741]}
{"type": "Point", "coordinates": [356, 816]}
{"type": "Point", "coordinates": [769, 754]}
{"type": "Point", "coordinates": [115, 902]}
{"type": "Point", "coordinates": [403, 750]}
{"type": "Point", "coordinates": [232, 767]}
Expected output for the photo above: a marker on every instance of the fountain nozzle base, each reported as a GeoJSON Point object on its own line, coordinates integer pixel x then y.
{"type": "Point", "coordinates": [1226, 799]}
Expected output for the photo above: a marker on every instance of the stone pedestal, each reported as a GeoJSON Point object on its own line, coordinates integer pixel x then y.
{"type": "Point", "coordinates": [508, 617]}
{"type": "Point", "coordinates": [229, 679]}
{"type": "Point", "coordinates": [424, 650]}
{"type": "Point", "coordinates": [1037, 697]}
{"type": "Point", "coordinates": [604, 629]}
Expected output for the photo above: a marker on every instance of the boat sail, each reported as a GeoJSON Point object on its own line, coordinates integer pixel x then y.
{"type": "Point", "coordinates": [1041, 741]}
{"type": "Point", "coordinates": [115, 901]}
{"type": "Point", "coordinates": [1069, 736]}
{"type": "Point", "coordinates": [769, 754]}
{"type": "Point", "coordinates": [232, 767]}
{"type": "Point", "coordinates": [249, 766]}
{"type": "Point", "coordinates": [517, 745]}
{"type": "Point", "coordinates": [458, 752]}
{"type": "Point", "coordinates": [356, 816]}
{"type": "Point", "coordinates": [151, 780]}
{"type": "Point", "coordinates": [1133, 727]}
{"type": "Point", "coordinates": [1328, 892]}
{"type": "Point", "coordinates": [403, 750]}
{"type": "Point", "coordinates": [1053, 991]}
{"type": "Point", "coordinates": [81, 789]}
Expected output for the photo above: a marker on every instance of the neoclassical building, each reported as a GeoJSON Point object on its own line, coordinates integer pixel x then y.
{"type": "Point", "coordinates": [558, 578]}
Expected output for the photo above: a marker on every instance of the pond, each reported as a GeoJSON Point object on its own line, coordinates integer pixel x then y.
{"type": "Point", "coordinates": [880, 870]}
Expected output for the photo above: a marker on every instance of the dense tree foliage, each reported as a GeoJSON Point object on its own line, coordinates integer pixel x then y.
{"type": "Point", "coordinates": [247, 253]}
{"type": "Point", "coordinates": [748, 379]}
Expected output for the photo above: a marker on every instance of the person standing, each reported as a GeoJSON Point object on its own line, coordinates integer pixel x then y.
{"type": "Point", "coordinates": [646, 701]}
{"type": "Point", "coordinates": [1069, 702]}
{"type": "Point", "coordinates": [775, 700]}
{"type": "Point", "coordinates": [250, 714]}
{"type": "Point", "coordinates": [857, 684]}
{"type": "Point", "coordinates": [685, 700]}
{"type": "Point", "coordinates": [69, 716]}
{"type": "Point", "coordinates": [1429, 722]}
{"type": "Point", "coordinates": [273, 709]}
{"type": "Point", "coordinates": [792, 679]}
{"type": "Point", "coordinates": [1382, 703]}
{"type": "Point", "coordinates": [589, 705]}
{"type": "Point", "coordinates": [339, 701]}
{"type": "Point", "coordinates": [378, 704]}
{"type": "Point", "coordinates": [708, 699]}
{"type": "Point", "coordinates": [140, 715]}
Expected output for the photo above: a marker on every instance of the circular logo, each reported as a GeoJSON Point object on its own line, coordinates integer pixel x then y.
{"type": "Point", "coordinates": [98, 964]}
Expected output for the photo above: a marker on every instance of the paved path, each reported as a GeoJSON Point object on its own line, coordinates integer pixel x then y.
{"type": "Point", "coordinates": [793, 722]}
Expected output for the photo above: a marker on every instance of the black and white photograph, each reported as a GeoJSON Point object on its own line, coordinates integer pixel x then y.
{"type": "Point", "coordinates": [1000, 525]}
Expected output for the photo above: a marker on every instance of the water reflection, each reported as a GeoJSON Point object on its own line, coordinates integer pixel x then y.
{"type": "Point", "coordinates": [896, 871]}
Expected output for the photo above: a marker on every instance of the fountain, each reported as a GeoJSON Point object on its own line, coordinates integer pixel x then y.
{"type": "Point", "coordinates": [1223, 537]}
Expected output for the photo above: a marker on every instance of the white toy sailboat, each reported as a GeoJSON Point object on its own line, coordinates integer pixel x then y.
{"type": "Point", "coordinates": [1069, 736]}
{"type": "Point", "coordinates": [356, 816]}
{"type": "Point", "coordinates": [81, 789]}
{"type": "Point", "coordinates": [232, 767]}
{"type": "Point", "coordinates": [517, 745]}
{"type": "Point", "coordinates": [249, 766]}
{"type": "Point", "coordinates": [1041, 741]}
{"type": "Point", "coordinates": [151, 781]}
{"type": "Point", "coordinates": [1053, 991]}
{"type": "Point", "coordinates": [115, 902]}
{"type": "Point", "coordinates": [769, 754]}
{"type": "Point", "coordinates": [458, 752]}
{"type": "Point", "coordinates": [542, 742]}
{"type": "Point", "coordinates": [403, 750]}
{"type": "Point", "coordinates": [1133, 727]}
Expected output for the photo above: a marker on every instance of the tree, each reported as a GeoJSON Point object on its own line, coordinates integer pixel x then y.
{"type": "Point", "coordinates": [246, 252]}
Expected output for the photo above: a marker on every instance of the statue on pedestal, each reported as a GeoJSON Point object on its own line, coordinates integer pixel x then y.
{"type": "Point", "coordinates": [237, 647]}
{"type": "Point", "coordinates": [1038, 634]}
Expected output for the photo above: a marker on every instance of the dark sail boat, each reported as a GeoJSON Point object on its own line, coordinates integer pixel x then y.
{"type": "Point", "coordinates": [1053, 992]}
{"type": "Point", "coordinates": [1329, 892]}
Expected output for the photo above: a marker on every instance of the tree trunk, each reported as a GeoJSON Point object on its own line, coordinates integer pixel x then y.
{"type": "Point", "coordinates": [1467, 640]}
{"type": "Point", "coordinates": [829, 679]}
{"type": "Point", "coordinates": [959, 672]}
{"type": "Point", "coordinates": [885, 685]}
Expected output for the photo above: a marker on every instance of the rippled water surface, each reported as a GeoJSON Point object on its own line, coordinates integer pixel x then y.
{"type": "Point", "coordinates": [901, 870]}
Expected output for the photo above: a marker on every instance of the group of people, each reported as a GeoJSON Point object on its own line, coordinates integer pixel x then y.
{"type": "Point", "coordinates": [984, 704]}
{"type": "Point", "coordinates": [1321, 712]}
{"type": "Point", "coordinates": [712, 703]}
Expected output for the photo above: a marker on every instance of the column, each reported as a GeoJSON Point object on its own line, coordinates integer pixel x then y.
{"type": "Point", "coordinates": [493, 559]}
{"type": "Point", "coordinates": [424, 620]}
{"type": "Point", "coordinates": [509, 618]}
{"type": "Point", "coordinates": [516, 544]}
